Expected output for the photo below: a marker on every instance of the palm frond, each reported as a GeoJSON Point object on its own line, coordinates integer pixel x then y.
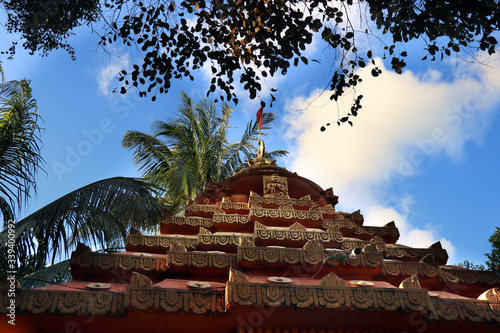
{"type": "Point", "coordinates": [53, 274]}
{"type": "Point", "coordinates": [96, 213]}
{"type": "Point", "coordinates": [20, 145]}
{"type": "Point", "coordinates": [198, 147]}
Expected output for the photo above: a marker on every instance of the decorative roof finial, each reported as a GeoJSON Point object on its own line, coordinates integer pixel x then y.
{"type": "Point", "coordinates": [260, 159]}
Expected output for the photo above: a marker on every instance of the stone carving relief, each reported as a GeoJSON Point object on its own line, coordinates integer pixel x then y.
{"type": "Point", "coordinates": [410, 283]}
{"type": "Point", "coordinates": [332, 280]}
{"type": "Point", "coordinates": [275, 186]}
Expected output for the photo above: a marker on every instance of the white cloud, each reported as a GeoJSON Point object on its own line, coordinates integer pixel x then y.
{"type": "Point", "coordinates": [405, 121]}
{"type": "Point", "coordinates": [107, 74]}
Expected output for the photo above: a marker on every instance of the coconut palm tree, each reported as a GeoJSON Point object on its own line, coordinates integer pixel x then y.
{"type": "Point", "coordinates": [20, 145]}
{"type": "Point", "coordinates": [184, 154]}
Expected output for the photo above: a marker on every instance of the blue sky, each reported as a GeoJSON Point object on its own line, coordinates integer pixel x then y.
{"type": "Point", "coordinates": [424, 151]}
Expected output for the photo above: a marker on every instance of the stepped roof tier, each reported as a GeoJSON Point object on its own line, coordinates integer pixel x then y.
{"type": "Point", "coordinates": [264, 251]}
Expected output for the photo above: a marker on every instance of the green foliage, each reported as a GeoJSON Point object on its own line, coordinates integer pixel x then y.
{"type": "Point", "coordinates": [45, 25]}
{"type": "Point", "coordinates": [184, 154]}
{"type": "Point", "coordinates": [98, 214]}
{"type": "Point", "coordinates": [493, 261]}
{"type": "Point", "coordinates": [251, 40]}
{"type": "Point", "coordinates": [469, 265]}
{"type": "Point", "coordinates": [20, 144]}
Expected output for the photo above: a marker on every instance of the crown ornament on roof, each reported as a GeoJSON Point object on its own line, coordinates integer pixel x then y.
{"type": "Point", "coordinates": [260, 159]}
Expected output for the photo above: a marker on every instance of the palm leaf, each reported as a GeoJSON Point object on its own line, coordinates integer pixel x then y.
{"type": "Point", "coordinates": [198, 148]}
{"type": "Point", "coordinates": [94, 214]}
{"type": "Point", "coordinates": [53, 274]}
{"type": "Point", "coordinates": [20, 145]}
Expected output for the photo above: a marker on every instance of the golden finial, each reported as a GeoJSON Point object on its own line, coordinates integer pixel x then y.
{"type": "Point", "coordinates": [260, 159]}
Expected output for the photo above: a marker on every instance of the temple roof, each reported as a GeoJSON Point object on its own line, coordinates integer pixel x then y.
{"type": "Point", "coordinates": [266, 251]}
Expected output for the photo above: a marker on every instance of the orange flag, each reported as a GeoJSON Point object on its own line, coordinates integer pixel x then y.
{"type": "Point", "coordinates": [259, 116]}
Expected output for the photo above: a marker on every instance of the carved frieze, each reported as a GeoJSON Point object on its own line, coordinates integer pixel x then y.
{"type": "Point", "coordinates": [396, 252]}
{"type": "Point", "coordinates": [109, 261]}
{"type": "Point", "coordinates": [221, 217]}
{"type": "Point", "coordinates": [203, 301]}
{"type": "Point", "coordinates": [284, 213]}
{"type": "Point", "coordinates": [205, 237]}
{"type": "Point", "coordinates": [188, 221]}
{"type": "Point", "coordinates": [464, 310]}
{"type": "Point", "coordinates": [296, 232]}
{"type": "Point", "coordinates": [228, 204]}
{"type": "Point", "coordinates": [465, 276]}
{"type": "Point", "coordinates": [312, 253]}
{"type": "Point", "coordinates": [325, 296]}
{"type": "Point", "coordinates": [200, 209]}
{"type": "Point", "coordinates": [163, 241]}
{"type": "Point", "coordinates": [402, 268]}
{"type": "Point", "coordinates": [86, 303]}
{"type": "Point", "coordinates": [390, 234]}
{"type": "Point", "coordinates": [328, 210]}
{"type": "Point", "coordinates": [212, 259]}
{"type": "Point", "coordinates": [256, 199]}
{"type": "Point", "coordinates": [338, 223]}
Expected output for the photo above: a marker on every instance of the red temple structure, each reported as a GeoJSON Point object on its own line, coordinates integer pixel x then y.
{"type": "Point", "coordinates": [263, 251]}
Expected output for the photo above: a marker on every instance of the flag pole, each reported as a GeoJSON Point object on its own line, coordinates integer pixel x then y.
{"type": "Point", "coordinates": [259, 119]}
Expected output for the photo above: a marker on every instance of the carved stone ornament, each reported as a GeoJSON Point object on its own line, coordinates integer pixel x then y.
{"type": "Point", "coordinates": [217, 210]}
{"type": "Point", "coordinates": [258, 225]}
{"type": "Point", "coordinates": [162, 241]}
{"type": "Point", "coordinates": [246, 242]}
{"type": "Point", "coordinates": [328, 210]}
{"type": "Point", "coordinates": [370, 248]}
{"type": "Point", "coordinates": [231, 218]}
{"type": "Point", "coordinates": [176, 247]}
{"type": "Point", "coordinates": [201, 208]}
{"type": "Point", "coordinates": [390, 225]}
{"type": "Point", "coordinates": [204, 231]}
{"type": "Point", "coordinates": [401, 268]}
{"type": "Point", "coordinates": [109, 261]}
{"type": "Point", "coordinates": [297, 227]}
{"type": "Point", "coordinates": [410, 283]}
{"type": "Point", "coordinates": [313, 245]}
{"type": "Point", "coordinates": [429, 259]}
{"type": "Point", "coordinates": [256, 199]}
{"type": "Point", "coordinates": [139, 280]}
{"type": "Point", "coordinates": [286, 207]}
{"type": "Point", "coordinates": [237, 276]}
{"type": "Point", "coordinates": [493, 296]}
{"type": "Point", "coordinates": [436, 246]}
{"type": "Point", "coordinates": [189, 221]}
{"type": "Point", "coordinates": [83, 303]}
{"type": "Point", "coordinates": [275, 186]}
{"type": "Point", "coordinates": [332, 280]}
{"type": "Point", "coordinates": [290, 214]}
{"type": "Point", "coordinates": [465, 276]}
{"type": "Point", "coordinates": [229, 205]}
{"type": "Point", "coordinates": [329, 197]}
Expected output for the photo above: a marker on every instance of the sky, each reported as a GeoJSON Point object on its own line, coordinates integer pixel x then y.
{"type": "Point", "coordinates": [423, 152]}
